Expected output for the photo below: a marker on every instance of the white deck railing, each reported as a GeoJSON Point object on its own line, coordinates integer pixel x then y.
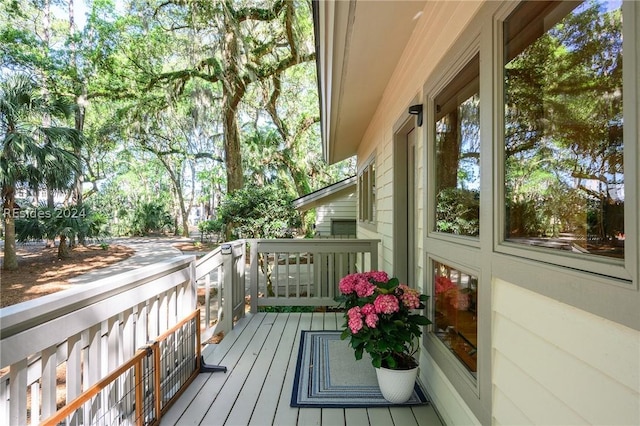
{"type": "Point", "coordinates": [306, 273]}
{"type": "Point", "coordinates": [83, 334]}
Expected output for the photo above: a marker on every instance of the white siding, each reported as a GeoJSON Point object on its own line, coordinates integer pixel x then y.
{"type": "Point", "coordinates": [580, 368]}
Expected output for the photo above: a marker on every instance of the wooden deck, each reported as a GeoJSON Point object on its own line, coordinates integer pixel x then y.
{"type": "Point", "coordinates": [260, 354]}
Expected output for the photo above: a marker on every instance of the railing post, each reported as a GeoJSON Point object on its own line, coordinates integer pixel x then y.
{"type": "Point", "coordinates": [227, 287]}
{"type": "Point", "coordinates": [374, 256]}
{"type": "Point", "coordinates": [155, 346]}
{"type": "Point", "coordinates": [193, 288]}
{"type": "Point", "coordinates": [253, 276]}
{"type": "Point", "coordinates": [18, 393]}
{"type": "Point", "coordinates": [139, 392]}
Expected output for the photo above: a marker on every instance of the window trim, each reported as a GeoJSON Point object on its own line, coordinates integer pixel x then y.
{"type": "Point", "coordinates": [367, 208]}
{"type": "Point", "coordinates": [443, 79]}
{"type": "Point", "coordinates": [443, 354]}
{"type": "Point", "coordinates": [463, 88]}
{"type": "Point", "coordinates": [459, 251]}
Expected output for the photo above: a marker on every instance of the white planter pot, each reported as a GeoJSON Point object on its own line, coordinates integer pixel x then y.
{"type": "Point", "coordinates": [396, 385]}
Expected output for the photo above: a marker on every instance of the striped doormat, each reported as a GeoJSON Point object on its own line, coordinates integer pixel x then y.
{"type": "Point", "coordinates": [328, 375]}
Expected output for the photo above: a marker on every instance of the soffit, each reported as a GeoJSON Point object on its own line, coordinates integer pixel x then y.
{"type": "Point", "coordinates": [359, 45]}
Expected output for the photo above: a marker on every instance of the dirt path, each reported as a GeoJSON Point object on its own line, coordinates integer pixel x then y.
{"type": "Point", "coordinates": [40, 271]}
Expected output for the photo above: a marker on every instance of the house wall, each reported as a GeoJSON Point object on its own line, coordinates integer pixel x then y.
{"type": "Point", "coordinates": [581, 368]}
{"type": "Point", "coordinates": [343, 207]}
{"type": "Point", "coordinates": [542, 360]}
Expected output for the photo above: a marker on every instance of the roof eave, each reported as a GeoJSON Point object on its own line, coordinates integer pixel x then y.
{"type": "Point", "coordinates": [350, 38]}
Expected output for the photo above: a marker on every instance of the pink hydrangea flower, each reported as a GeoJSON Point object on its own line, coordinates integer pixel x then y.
{"type": "Point", "coordinates": [364, 288]}
{"type": "Point", "coordinates": [348, 283]}
{"type": "Point", "coordinates": [355, 324]}
{"type": "Point", "coordinates": [355, 319]}
{"type": "Point", "coordinates": [410, 297]}
{"type": "Point", "coordinates": [354, 312]}
{"type": "Point", "coordinates": [378, 276]}
{"type": "Point", "coordinates": [386, 304]}
{"type": "Point", "coordinates": [371, 320]}
{"type": "Point", "coordinates": [368, 309]}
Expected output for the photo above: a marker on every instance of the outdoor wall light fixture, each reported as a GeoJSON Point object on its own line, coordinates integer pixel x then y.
{"type": "Point", "coordinates": [416, 110]}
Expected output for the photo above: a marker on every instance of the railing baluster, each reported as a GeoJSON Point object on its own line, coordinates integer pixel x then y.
{"type": "Point", "coordinates": [311, 272]}
{"type": "Point", "coordinates": [34, 405]}
{"type": "Point", "coordinates": [127, 334]}
{"type": "Point", "coordinates": [207, 300]}
{"type": "Point", "coordinates": [153, 317]}
{"type": "Point", "coordinates": [163, 312]}
{"type": "Point", "coordinates": [92, 367]}
{"type": "Point", "coordinates": [239, 282]}
{"type": "Point", "coordinates": [290, 293]}
{"type": "Point", "coordinates": [48, 382]}
{"type": "Point", "coordinates": [142, 324]}
{"type": "Point", "coordinates": [298, 260]}
{"type": "Point", "coordinates": [18, 392]}
{"type": "Point", "coordinates": [4, 400]}
{"type": "Point", "coordinates": [74, 367]}
{"type": "Point", "coordinates": [172, 307]}
{"type": "Point", "coordinates": [113, 340]}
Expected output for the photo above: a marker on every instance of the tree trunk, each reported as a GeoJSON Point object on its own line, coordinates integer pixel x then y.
{"type": "Point", "coordinates": [50, 204]}
{"type": "Point", "coordinates": [79, 116]}
{"type": "Point", "coordinates": [449, 156]}
{"type": "Point", "coordinates": [177, 188]}
{"type": "Point", "coordinates": [185, 226]}
{"type": "Point", "coordinates": [233, 89]}
{"type": "Point", "coordinates": [10, 257]}
{"type": "Point", "coordinates": [300, 177]}
{"type": "Point", "coordinates": [63, 249]}
{"type": "Point", "coordinates": [292, 151]}
{"type": "Point", "coordinates": [46, 119]}
{"type": "Point", "coordinates": [233, 158]}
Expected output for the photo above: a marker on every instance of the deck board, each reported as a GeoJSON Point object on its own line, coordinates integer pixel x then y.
{"type": "Point", "coordinates": [253, 385]}
{"type": "Point", "coordinates": [260, 354]}
{"type": "Point", "coordinates": [265, 408]}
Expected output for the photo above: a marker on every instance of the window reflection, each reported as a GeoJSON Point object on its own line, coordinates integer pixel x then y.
{"type": "Point", "coordinates": [564, 177]}
{"type": "Point", "coordinates": [455, 319]}
{"type": "Point", "coordinates": [457, 162]}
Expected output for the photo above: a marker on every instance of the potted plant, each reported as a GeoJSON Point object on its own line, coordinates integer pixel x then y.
{"type": "Point", "coordinates": [383, 319]}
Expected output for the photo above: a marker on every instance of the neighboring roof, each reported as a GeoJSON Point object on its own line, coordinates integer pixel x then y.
{"type": "Point", "coordinates": [358, 45]}
{"type": "Point", "coordinates": [322, 195]}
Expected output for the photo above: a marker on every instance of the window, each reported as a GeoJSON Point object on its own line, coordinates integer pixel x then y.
{"type": "Point", "coordinates": [559, 177]}
{"type": "Point", "coordinates": [563, 151]}
{"type": "Point", "coordinates": [457, 157]}
{"type": "Point", "coordinates": [343, 227]}
{"type": "Point", "coordinates": [367, 192]}
{"type": "Point", "coordinates": [455, 320]}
